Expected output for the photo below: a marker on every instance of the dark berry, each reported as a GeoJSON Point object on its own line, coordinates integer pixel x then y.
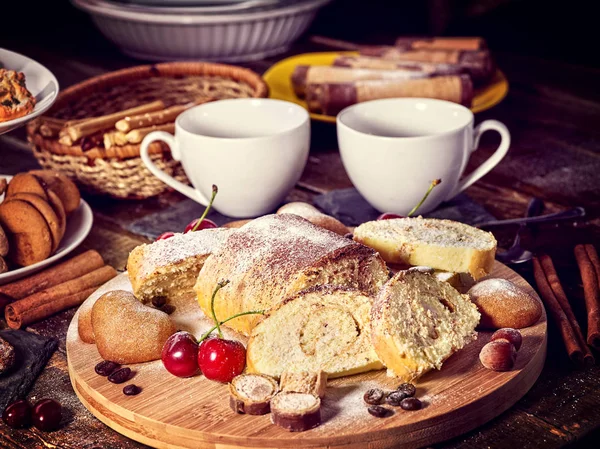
{"type": "Point", "coordinates": [373, 396]}
{"type": "Point", "coordinates": [46, 415]}
{"type": "Point", "coordinates": [379, 411]}
{"type": "Point", "coordinates": [410, 404]}
{"type": "Point", "coordinates": [120, 376]}
{"type": "Point", "coordinates": [131, 390]}
{"type": "Point", "coordinates": [17, 415]}
{"type": "Point", "coordinates": [106, 368]}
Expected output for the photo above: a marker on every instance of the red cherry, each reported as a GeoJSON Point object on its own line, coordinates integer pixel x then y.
{"type": "Point", "coordinates": [46, 415]}
{"type": "Point", "coordinates": [165, 235]}
{"type": "Point", "coordinates": [206, 224]}
{"type": "Point", "coordinates": [221, 359]}
{"type": "Point", "coordinates": [17, 415]}
{"type": "Point", "coordinates": [389, 216]}
{"type": "Point", "coordinates": [180, 355]}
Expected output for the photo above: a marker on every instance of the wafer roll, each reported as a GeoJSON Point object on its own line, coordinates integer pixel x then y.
{"type": "Point", "coordinates": [478, 64]}
{"type": "Point", "coordinates": [367, 62]}
{"type": "Point", "coordinates": [331, 98]}
{"type": "Point", "coordinates": [304, 74]}
{"type": "Point", "coordinates": [441, 43]}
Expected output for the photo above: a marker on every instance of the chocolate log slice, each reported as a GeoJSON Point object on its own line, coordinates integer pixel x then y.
{"type": "Point", "coordinates": [296, 412]}
{"type": "Point", "coordinates": [314, 383]}
{"type": "Point", "coordinates": [251, 394]}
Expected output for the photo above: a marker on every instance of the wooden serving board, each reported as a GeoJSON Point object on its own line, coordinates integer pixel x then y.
{"type": "Point", "coordinates": [194, 413]}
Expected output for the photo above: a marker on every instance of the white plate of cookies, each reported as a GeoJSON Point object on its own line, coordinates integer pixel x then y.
{"type": "Point", "coordinates": [42, 219]}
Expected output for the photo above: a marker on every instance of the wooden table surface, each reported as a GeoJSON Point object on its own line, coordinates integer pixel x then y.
{"type": "Point", "coordinates": [552, 111]}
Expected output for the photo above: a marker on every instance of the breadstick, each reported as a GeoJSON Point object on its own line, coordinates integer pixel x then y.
{"type": "Point", "coordinates": [331, 98]}
{"type": "Point", "coordinates": [137, 135]}
{"type": "Point", "coordinates": [93, 125]}
{"type": "Point", "coordinates": [156, 118]}
{"type": "Point", "coordinates": [112, 138]}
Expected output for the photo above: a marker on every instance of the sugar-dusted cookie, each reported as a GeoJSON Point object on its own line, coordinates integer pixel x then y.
{"type": "Point", "coordinates": [44, 208]}
{"type": "Point", "coordinates": [59, 210]}
{"type": "Point", "coordinates": [127, 331]}
{"type": "Point", "coordinates": [60, 184]}
{"type": "Point", "coordinates": [28, 233]}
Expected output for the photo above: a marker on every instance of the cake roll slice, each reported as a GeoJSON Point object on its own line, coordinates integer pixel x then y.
{"type": "Point", "coordinates": [274, 257]}
{"type": "Point", "coordinates": [325, 328]}
{"type": "Point", "coordinates": [331, 98]}
{"type": "Point", "coordinates": [296, 412]}
{"type": "Point", "coordinates": [170, 267]}
{"type": "Point", "coordinates": [418, 321]}
{"type": "Point", "coordinates": [251, 394]}
{"type": "Point", "coordinates": [441, 244]}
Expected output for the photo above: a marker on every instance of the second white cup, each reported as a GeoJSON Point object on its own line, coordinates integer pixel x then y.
{"type": "Point", "coordinates": [393, 148]}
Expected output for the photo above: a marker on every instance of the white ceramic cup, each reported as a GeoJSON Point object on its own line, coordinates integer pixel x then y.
{"type": "Point", "coordinates": [393, 148]}
{"type": "Point", "coordinates": [254, 150]}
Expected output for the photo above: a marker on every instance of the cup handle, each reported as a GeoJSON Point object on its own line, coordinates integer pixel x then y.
{"type": "Point", "coordinates": [169, 139]}
{"type": "Point", "coordinates": [492, 161]}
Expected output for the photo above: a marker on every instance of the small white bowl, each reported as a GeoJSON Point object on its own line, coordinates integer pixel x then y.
{"type": "Point", "coordinates": [157, 33]}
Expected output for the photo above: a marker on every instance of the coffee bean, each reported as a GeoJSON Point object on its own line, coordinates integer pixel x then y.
{"type": "Point", "coordinates": [379, 411]}
{"type": "Point", "coordinates": [168, 309]}
{"type": "Point", "coordinates": [131, 390]}
{"type": "Point", "coordinates": [410, 404]}
{"type": "Point", "coordinates": [409, 389]}
{"type": "Point", "coordinates": [120, 376]}
{"type": "Point", "coordinates": [373, 396]}
{"type": "Point", "coordinates": [395, 398]}
{"type": "Point", "coordinates": [106, 368]}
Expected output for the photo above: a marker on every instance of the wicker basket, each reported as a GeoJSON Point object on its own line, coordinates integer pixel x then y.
{"type": "Point", "coordinates": [119, 171]}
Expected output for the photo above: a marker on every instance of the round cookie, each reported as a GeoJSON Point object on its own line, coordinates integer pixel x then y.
{"type": "Point", "coordinates": [503, 304]}
{"type": "Point", "coordinates": [59, 209]}
{"type": "Point", "coordinates": [3, 265]}
{"type": "Point", "coordinates": [47, 212]}
{"type": "Point", "coordinates": [60, 184]}
{"type": "Point", "coordinates": [28, 233]}
{"type": "Point", "coordinates": [26, 182]}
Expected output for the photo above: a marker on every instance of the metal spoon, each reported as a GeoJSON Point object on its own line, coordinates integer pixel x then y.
{"type": "Point", "coordinates": [570, 214]}
{"type": "Point", "coordinates": [516, 253]}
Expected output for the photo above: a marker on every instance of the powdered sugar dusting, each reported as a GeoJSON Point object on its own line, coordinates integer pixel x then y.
{"type": "Point", "coordinates": [495, 286]}
{"type": "Point", "coordinates": [180, 247]}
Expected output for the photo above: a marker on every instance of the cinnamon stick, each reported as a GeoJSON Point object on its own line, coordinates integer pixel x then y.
{"type": "Point", "coordinates": [54, 299]}
{"type": "Point", "coordinates": [559, 293]}
{"type": "Point", "coordinates": [591, 291]}
{"type": "Point", "coordinates": [93, 125]}
{"type": "Point", "coordinates": [572, 345]}
{"type": "Point", "coordinates": [73, 268]}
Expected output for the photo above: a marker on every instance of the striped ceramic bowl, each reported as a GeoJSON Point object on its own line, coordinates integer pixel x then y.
{"type": "Point", "coordinates": [237, 34]}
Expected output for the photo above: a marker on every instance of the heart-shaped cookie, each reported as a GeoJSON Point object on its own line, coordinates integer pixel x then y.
{"type": "Point", "coordinates": [127, 331]}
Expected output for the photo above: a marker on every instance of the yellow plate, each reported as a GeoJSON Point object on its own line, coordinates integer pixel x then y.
{"type": "Point", "coordinates": [280, 87]}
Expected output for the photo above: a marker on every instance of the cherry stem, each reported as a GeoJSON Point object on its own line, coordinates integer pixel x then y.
{"type": "Point", "coordinates": [219, 286]}
{"type": "Point", "coordinates": [211, 330]}
{"type": "Point", "coordinates": [434, 183]}
{"type": "Point", "coordinates": [212, 198]}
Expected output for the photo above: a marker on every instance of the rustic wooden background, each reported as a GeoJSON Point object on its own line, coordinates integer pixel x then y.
{"type": "Point", "coordinates": [552, 111]}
